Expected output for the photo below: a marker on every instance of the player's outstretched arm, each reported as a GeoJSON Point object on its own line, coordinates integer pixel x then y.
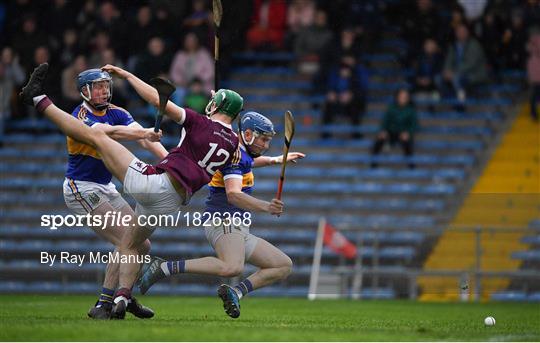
{"type": "Point", "coordinates": [264, 161]}
{"type": "Point", "coordinates": [147, 92]}
{"type": "Point", "coordinates": [129, 133]}
{"type": "Point", "coordinates": [235, 196]}
{"type": "Point", "coordinates": [154, 147]}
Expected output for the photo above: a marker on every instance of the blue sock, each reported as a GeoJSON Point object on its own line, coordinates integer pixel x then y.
{"type": "Point", "coordinates": [176, 267]}
{"type": "Point", "coordinates": [106, 297]}
{"type": "Point", "coordinates": [244, 287]}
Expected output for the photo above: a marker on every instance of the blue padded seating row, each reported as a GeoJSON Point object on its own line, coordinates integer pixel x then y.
{"type": "Point", "coordinates": [528, 255]}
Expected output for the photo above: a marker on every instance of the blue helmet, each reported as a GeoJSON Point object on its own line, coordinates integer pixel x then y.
{"type": "Point", "coordinates": [258, 124]}
{"type": "Point", "coordinates": [86, 80]}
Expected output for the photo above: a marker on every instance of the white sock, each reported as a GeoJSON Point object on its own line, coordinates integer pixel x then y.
{"type": "Point", "coordinates": [121, 298]}
{"type": "Point", "coordinates": [165, 268]}
{"type": "Point", "coordinates": [38, 98]}
{"type": "Point", "coordinates": [238, 292]}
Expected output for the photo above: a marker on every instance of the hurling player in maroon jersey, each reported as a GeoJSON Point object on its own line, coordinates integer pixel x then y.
{"type": "Point", "coordinates": [206, 145]}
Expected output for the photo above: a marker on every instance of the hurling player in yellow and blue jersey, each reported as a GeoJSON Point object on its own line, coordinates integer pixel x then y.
{"type": "Point", "coordinates": [88, 187]}
{"type": "Point", "coordinates": [230, 197]}
{"type": "Point", "coordinates": [207, 144]}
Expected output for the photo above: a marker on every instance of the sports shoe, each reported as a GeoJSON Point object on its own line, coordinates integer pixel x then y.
{"type": "Point", "coordinates": [231, 302]}
{"type": "Point", "coordinates": [152, 274]}
{"type": "Point", "coordinates": [34, 87]}
{"type": "Point", "coordinates": [119, 310]}
{"type": "Point", "coordinates": [139, 310]}
{"type": "Point", "coordinates": [101, 312]}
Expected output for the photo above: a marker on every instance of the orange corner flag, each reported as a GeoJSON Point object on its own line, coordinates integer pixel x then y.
{"type": "Point", "coordinates": [338, 243]}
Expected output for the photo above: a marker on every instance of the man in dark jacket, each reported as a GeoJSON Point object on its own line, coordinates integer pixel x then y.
{"type": "Point", "coordinates": [399, 123]}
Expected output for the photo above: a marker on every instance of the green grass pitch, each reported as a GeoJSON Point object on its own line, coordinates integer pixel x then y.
{"type": "Point", "coordinates": [63, 318]}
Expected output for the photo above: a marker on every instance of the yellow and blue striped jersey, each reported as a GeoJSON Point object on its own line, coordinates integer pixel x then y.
{"type": "Point", "coordinates": [241, 168]}
{"type": "Point", "coordinates": [84, 162]}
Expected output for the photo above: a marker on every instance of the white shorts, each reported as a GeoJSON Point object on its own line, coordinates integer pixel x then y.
{"type": "Point", "coordinates": [153, 192]}
{"type": "Point", "coordinates": [214, 233]}
{"type": "Point", "coordinates": [83, 197]}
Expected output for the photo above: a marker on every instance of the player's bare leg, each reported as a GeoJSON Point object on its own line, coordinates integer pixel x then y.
{"type": "Point", "coordinates": [274, 265]}
{"type": "Point", "coordinates": [114, 234]}
{"type": "Point", "coordinates": [129, 246]}
{"type": "Point", "coordinates": [229, 248]}
{"type": "Point", "coordinates": [115, 156]}
{"type": "Point", "coordinates": [142, 247]}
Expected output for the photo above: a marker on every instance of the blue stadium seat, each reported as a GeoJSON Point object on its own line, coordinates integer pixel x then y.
{"type": "Point", "coordinates": [535, 296]}
{"type": "Point", "coordinates": [263, 70]}
{"type": "Point", "coordinates": [535, 223]}
{"type": "Point", "coordinates": [441, 188]}
{"type": "Point", "coordinates": [30, 124]}
{"type": "Point", "coordinates": [509, 296]}
{"type": "Point", "coordinates": [264, 56]}
{"type": "Point", "coordinates": [530, 255]}
{"type": "Point", "coordinates": [531, 239]}
{"type": "Point", "coordinates": [283, 84]}
{"type": "Point", "coordinates": [406, 253]}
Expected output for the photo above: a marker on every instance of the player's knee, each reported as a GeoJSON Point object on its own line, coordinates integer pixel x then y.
{"type": "Point", "coordinates": [128, 246]}
{"type": "Point", "coordinates": [99, 138]}
{"type": "Point", "coordinates": [286, 268]}
{"type": "Point", "coordinates": [231, 270]}
{"type": "Point", "coordinates": [145, 247]}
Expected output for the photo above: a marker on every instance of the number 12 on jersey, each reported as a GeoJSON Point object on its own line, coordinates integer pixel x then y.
{"type": "Point", "coordinates": [211, 167]}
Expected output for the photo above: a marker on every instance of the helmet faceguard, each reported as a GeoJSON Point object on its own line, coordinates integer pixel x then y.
{"type": "Point", "coordinates": [226, 101]}
{"type": "Point", "coordinates": [259, 125]}
{"type": "Point", "coordinates": [86, 80]}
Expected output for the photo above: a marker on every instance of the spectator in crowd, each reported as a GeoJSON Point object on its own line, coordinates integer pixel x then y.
{"type": "Point", "coordinates": [70, 90]}
{"type": "Point", "coordinates": [41, 55]}
{"type": "Point", "coordinates": [514, 41]}
{"type": "Point", "coordinates": [348, 44]}
{"type": "Point", "coordinates": [196, 98]}
{"type": "Point", "coordinates": [457, 18]}
{"type": "Point", "coordinates": [155, 61]}
{"type": "Point", "coordinates": [11, 77]}
{"type": "Point", "coordinates": [365, 16]}
{"type": "Point", "coordinates": [300, 14]}
{"type": "Point", "coordinates": [533, 71]}
{"type": "Point", "coordinates": [141, 30]}
{"type": "Point", "coordinates": [532, 13]}
{"type": "Point", "coordinates": [399, 124]}
{"type": "Point", "coordinates": [60, 15]}
{"type": "Point", "coordinates": [120, 88]}
{"type": "Point", "coordinates": [428, 69]}
{"type": "Point", "coordinates": [110, 21]}
{"type": "Point", "coordinates": [465, 63]}
{"type": "Point", "coordinates": [194, 61]}
{"type": "Point", "coordinates": [165, 22]}
{"type": "Point", "coordinates": [490, 37]}
{"type": "Point", "coordinates": [346, 95]}
{"type": "Point", "coordinates": [100, 43]}
{"type": "Point", "coordinates": [69, 48]}
{"type": "Point", "coordinates": [269, 23]}
{"type": "Point", "coordinates": [199, 22]}
{"type": "Point", "coordinates": [310, 42]}
{"type": "Point", "coordinates": [87, 21]}
{"type": "Point", "coordinates": [26, 41]}
{"type": "Point", "coordinates": [422, 22]}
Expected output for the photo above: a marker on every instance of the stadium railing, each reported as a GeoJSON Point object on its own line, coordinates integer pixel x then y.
{"type": "Point", "coordinates": [350, 275]}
